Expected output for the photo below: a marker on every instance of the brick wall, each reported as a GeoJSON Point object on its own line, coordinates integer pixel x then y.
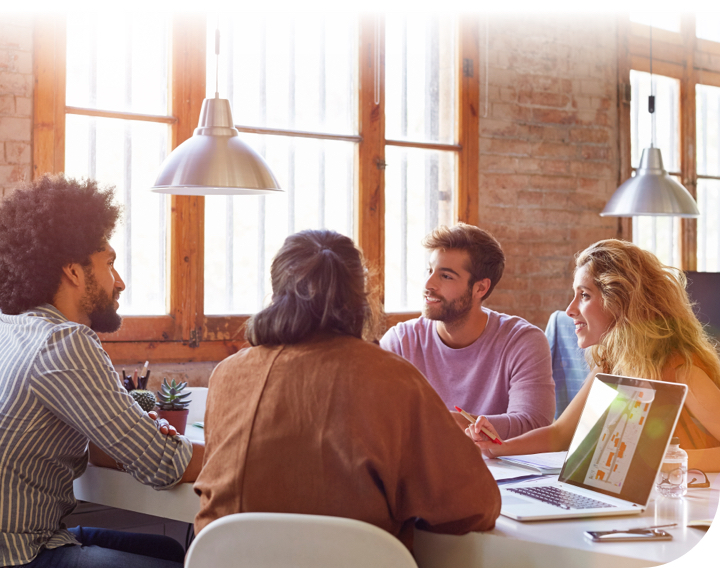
{"type": "Point", "coordinates": [548, 151]}
{"type": "Point", "coordinates": [16, 91]}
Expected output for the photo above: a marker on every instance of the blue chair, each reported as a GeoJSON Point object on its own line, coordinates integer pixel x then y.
{"type": "Point", "coordinates": [568, 362]}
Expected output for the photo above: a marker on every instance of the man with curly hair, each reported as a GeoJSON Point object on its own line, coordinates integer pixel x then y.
{"type": "Point", "coordinates": [60, 398]}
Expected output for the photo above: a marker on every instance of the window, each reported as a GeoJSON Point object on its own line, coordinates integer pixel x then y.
{"type": "Point", "coordinates": [661, 129]}
{"type": "Point", "coordinates": [708, 167]}
{"type": "Point", "coordinates": [368, 123]}
{"type": "Point", "coordinates": [686, 78]}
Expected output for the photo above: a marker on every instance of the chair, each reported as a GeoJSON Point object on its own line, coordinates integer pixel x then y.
{"type": "Point", "coordinates": [569, 367]}
{"type": "Point", "coordinates": [282, 540]}
{"type": "Point", "coordinates": [198, 398]}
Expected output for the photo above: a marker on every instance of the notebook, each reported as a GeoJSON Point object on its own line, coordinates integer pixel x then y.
{"type": "Point", "coordinates": [547, 463]}
{"type": "Point", "coordinates": [614, 457]}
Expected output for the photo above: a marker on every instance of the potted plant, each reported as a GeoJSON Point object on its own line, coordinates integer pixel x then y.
{"type": "Point", "coordinates": [173, 404]}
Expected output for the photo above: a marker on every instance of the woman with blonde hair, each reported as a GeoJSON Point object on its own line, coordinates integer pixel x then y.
{"type": "Point", "coordinates": [633, 316]}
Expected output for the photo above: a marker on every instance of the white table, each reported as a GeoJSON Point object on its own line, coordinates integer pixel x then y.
{"type": "Point", "coordinates": [552, 544]}
{"type": "Point", "coordinates": [555, 544]}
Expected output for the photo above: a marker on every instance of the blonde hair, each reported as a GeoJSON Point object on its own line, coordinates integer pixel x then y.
{"type": "Point", "coordinates": [653, 315]}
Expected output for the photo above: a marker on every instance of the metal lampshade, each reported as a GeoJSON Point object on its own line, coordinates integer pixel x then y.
{"type": "Point", "coordinates": [215, 161]}
{"type": "Point", "coordinates": [651, 191]}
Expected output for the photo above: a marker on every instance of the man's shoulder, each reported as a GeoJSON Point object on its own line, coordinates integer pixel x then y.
{"type": "Point", "coordinates": [513, 324]}
{"type": "Point", "coordinates": [413, 328]}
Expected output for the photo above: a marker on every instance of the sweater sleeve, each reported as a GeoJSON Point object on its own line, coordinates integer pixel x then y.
{"type": "Point", "coordinates": [531, 388]}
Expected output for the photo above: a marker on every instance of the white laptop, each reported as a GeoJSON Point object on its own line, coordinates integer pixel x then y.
{"type": "Point", "coordinates": [614, 457]}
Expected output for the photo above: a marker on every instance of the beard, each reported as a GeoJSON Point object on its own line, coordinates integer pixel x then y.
{"type": "Point", "coordinates": [450, 312]}
{"type": "Point", "coordinates": [99, 307]}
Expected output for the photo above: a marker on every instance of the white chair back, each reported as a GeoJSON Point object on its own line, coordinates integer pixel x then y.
{"type": "Point", "coordinates": [283, 540]}
{"type": "Point", "coordinates": [196, 410]}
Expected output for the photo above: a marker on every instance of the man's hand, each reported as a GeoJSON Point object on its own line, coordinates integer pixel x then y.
{"type": "Point", "coordinates": [163, 425]}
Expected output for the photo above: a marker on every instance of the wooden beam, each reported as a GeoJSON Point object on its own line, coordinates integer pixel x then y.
{"type": "Point", "coordinates": [370, 197]}
{"type": "Point", "coordinates": [130, 352]}
{"type": "Point", "coordinates": [49, 50]}
{"type": "Point", "coordinates": [688, 142]}
{"type": "Point", "coordinates": [467, 208]}
{"type": "Point", "coordinates": [142, 328]}
{"type": "Point", "coordinates": [187, 215]}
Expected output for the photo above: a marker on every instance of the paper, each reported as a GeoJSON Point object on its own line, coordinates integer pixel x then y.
{"type": "Point", "coordinates": [549, 462]}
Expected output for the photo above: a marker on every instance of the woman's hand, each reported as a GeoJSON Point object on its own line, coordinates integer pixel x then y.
{"type": "Point", "coordinates": [481, 439]}
{"type": "Point", "coordinates": [163, 425]}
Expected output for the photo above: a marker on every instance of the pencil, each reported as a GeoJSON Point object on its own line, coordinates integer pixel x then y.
{"type": "Point", "coordinates": [483, 429]}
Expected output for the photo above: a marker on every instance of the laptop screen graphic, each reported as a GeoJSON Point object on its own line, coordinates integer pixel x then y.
{"type": "Point", "coordinates": [622, 435]}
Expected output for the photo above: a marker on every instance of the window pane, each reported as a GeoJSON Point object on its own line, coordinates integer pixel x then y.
{"type": "Point", "coordinates": [118, 61]}
{"type": "Point", "coordinates": [287, 71]}
{"type": "Point", "coordinates": [664, 20]}
{"type": "Point", "coordinates": [708, 245]}
{"type": "Point", "coordinates": [660, 235]}
{"type": "Point", "coordinates": [667, 118]}
{"type": "Point", "coordinates": [242, 234]}
{"type": "Point", "coordinates": [707, 25]}
{"type": "Point", "coordinates": [127, 154]}
{"type": "Point", "coordinates": [418, 198]}
{"type": "Point", "coordinates": [708, 130]}
{"type": "Point", "coordinates": [420, 78]}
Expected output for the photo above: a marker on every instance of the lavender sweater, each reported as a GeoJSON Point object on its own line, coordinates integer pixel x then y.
{"type": "Point", "coordinates": [505, 374]}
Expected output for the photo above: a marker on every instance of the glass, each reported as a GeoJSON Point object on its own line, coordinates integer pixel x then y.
{"type": "Point", "coordinates": [118, 61]}
{"type": "Point", "coordinates": [667, 117]}
{"type": "Point", "coordinates": [127, 154]}
{"type": "Point", "coordinates": [708, 235]}
{"type": "Point", "coordinates": [418, 198]}
{"type": "Point", "coordinates": [660, 235]}
{"type": "Point", "coordinates": [242, 234]}
{"type": "Point", "coordinates": [708, 129]}
{"type": "Point", "coordinates": [287, 71]}
{"type": "Point", "coordinates": [420, 78]}
{"type": "Point", "coordinates": [707, 25]}
{"type": "Point", "coordinates": [658, 19]}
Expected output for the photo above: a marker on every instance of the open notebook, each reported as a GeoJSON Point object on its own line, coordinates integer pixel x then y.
{"type": "Point", "coordinates": [613, 459]}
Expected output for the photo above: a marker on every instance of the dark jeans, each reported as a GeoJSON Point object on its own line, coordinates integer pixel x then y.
{"type": "Point", "coordinates": [103, 548]}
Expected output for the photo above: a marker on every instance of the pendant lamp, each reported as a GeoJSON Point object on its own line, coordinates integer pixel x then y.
{"type": "Point", "coordinates": [651, 191]}
{"type": "Point", "coordinates": [214, 160]}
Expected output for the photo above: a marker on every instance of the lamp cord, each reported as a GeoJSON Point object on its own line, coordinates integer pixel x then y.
{"type": "Point", "coordinates": [651, 98]}
{"type": "Point", "coordinates": [217, 58]}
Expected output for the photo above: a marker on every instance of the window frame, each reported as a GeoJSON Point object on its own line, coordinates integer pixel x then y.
{"type": "Point", "coordinates": [186, 333]}
{"type": "Point", "coordinates": [683, 56]}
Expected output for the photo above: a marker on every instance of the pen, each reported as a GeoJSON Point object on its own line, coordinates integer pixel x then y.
{"type": "Point", "coordinates": [142, 381]}
{"type": "Point", "coordinates": [483, 429]}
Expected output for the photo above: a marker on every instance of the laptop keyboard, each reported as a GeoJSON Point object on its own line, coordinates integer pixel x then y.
{"type": "Point", "coordinates": [560, 498]}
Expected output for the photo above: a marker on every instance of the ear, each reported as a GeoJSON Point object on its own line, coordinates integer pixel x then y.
{"type": "Point", "coordinates": [481, 288]}
{"type": "Point", "coordinates": [74, 274]}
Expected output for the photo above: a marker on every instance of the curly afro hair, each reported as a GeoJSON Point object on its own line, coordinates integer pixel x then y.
{"type": "Point", "coordinates": [44, 226]}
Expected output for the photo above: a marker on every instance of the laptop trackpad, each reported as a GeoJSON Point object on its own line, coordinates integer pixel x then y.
{"type": "Point", "coordinates": [512, 500]}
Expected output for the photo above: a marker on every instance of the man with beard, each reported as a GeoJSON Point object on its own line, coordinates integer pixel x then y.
{"type": "Point", "coordinates": [483, 361]}
{"type": "Point", "coordinates": [60, 398]}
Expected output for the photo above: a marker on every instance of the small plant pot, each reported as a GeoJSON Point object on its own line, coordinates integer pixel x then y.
{"type": "Point", "coordinates": [177, 418]}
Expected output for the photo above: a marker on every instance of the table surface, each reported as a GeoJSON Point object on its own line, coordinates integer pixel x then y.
{"type": "Point", "coordinates": [511, 543]}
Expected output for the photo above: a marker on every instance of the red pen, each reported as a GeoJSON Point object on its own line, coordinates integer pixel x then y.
{"type": "Point", "coordinates": [482, 428]}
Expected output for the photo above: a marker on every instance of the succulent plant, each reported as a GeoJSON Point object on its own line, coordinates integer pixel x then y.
{"type": "Point", "coordinates": [171, 396]}
{"type": "Point", "coordinates": [145, 398]}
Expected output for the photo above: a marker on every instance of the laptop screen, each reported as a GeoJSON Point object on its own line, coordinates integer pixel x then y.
{"type": "Point", "coordinates": [622, 435]}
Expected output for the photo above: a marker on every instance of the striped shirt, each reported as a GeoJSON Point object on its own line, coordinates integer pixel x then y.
{"type": "Point", "coordinates": [58, 390]}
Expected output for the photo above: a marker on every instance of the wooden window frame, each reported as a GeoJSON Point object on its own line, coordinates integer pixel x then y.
{"type": "Point", "coordinates": [676, 55]}
{"type": "Point", "coordinates": [186, 333]}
